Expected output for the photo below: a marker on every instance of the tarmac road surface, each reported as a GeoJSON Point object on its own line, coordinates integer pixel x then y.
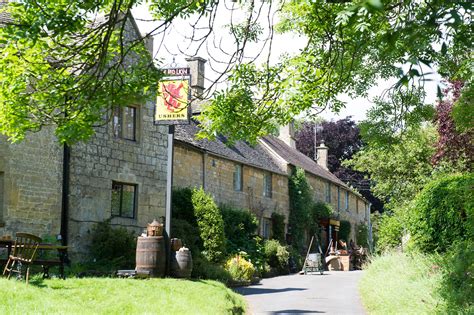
{"type": "Point", "coordinates": [334, 292]}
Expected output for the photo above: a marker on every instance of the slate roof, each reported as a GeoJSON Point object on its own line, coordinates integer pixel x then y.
{"type": "Point", "coordinates": [296, 158]}
{"type": "Point", "coordinates": [239, 152]}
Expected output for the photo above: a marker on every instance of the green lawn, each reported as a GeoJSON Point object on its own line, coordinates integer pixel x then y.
{"type": "Point", "coordinates": [397, 283]}
{"type": "Point", "coordinates": [118, 296]}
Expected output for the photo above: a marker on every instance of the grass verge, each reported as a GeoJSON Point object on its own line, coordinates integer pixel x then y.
{"type": "Point", "coordinates": [399, 283]}
{"type": "Point", "coordinates": [118, 296]}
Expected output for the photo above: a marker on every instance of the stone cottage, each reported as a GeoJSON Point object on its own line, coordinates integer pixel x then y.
{"type": "Point", "coordinates": [62, 191]}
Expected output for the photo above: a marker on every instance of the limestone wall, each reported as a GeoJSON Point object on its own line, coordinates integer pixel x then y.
{"type": "Point", "coordinates": [104, 159]}
{"type": "Point", "coordinates": [31, 185]}
{"type": "Point", "coordinates": [217, 179]}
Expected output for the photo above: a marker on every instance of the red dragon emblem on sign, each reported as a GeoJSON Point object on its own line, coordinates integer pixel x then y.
{"type": "Point", "coordinates": [172, 95]}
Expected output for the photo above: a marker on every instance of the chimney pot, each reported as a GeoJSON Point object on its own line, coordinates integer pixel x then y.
{"type": "Point", "coordinates": [287, 134]}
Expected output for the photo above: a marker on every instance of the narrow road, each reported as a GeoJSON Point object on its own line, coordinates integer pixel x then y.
{"type": "Point", "coordinates": [332, 293]}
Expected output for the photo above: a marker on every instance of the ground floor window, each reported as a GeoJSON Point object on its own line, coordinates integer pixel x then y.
{"type": "Point", "coordinates": [266, 228]}
{"type": "Point", "coordinates": [124, 200]}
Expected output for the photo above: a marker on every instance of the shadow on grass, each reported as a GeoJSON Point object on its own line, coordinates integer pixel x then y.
{"type": "Point", "coordinates": [37, 281]}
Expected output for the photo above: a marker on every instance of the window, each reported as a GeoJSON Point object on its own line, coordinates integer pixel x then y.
{"type": "Point", "coordinates": [346, 204]}
{"type": "Point", "coordinates": [267, 185]}
{"type": "Point", "coordinates": [338, 198]}
{"type": "Point", "coordinates": [328, 192]}
{"type": "Point", "coordinates": [125, 123]}
{"type": "Point", "coordinates": [124, 200]}
{"type": "Point", "coordinates": [238, 185]}
{"type": "Point", "coordinates": [266, 228]}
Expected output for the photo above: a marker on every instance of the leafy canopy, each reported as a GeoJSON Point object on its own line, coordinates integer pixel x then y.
{"type": "Point", "coordinates": [62, 65]}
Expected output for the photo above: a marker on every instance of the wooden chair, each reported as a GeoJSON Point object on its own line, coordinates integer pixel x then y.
{"type": "Point", "coordinates": [23, 253]}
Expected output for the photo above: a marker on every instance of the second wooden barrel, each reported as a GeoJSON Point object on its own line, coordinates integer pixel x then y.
{"type": "Point", "coordinates": [176, 244]}
{"type": "Point", "coordinates": [181, 263]}
{"type": "Point", "coordinates": [151, 256]}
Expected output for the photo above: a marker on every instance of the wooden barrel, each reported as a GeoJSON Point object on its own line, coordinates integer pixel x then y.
{"type": "Point", "coordinates": [176, 244]}
{"type": "Point", "coordinates": [151, 255]}
{"type": "Point", "coordinates": [181, 264]}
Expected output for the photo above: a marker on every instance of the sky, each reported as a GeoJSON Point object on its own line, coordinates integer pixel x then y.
{"type": "Point", "coordinates": [175, 43]}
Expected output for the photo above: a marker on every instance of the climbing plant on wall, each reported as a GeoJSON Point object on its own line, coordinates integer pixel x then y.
{"type": "Point", "coordinates": [300, 207]}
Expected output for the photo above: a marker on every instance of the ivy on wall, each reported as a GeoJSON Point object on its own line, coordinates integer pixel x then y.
{"type": "Point", "coordinates": [300, 207]}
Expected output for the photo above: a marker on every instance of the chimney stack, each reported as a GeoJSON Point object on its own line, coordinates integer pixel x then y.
{"type": "Point", "coordinates": [148, 41]}
{"type": "Point", "coordinates": [322, 156]}
{"type": "Point", "coordinates": [196, 66]}
{"type": "Point", "coordinates": [287, 134]}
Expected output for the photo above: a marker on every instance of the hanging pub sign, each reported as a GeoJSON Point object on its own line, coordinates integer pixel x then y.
{"type": "Point", "coordinates": [172, 103]}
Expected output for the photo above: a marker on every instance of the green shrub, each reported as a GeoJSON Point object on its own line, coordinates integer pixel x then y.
{"type": "Point", "coordinates": [457, 284]}
{"type": "Point", "coordinates": [183, 205]}
{"type": "Point", "coordinates": [345, 230]}
{"type": "Point", "coordinates": [389, 233]}
{"type": "Point", "coordinates": [442, 213]}
{"type": "Point", "coordinates": [276, 256]}
{"type": "Point", "coordinates": [321, 210]}
{"type": "Point", "coordinates": [211, 225]}
{"type": "Point", "coordinates": [240, 226]}
{"type": "Point", "coordinates": [362, 235]}
{"type": "Point", "coordinates": [204, 269]}
{"type": "Point", "coordinates": [240, 269]}
{"type": "Point", "coordinates": [278, 227]}
{"type": "Point", "coordinates": [115, 247]}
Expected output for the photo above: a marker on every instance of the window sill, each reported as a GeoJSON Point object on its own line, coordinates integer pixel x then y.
{"type": "Point", "coordinates": [127, 141]}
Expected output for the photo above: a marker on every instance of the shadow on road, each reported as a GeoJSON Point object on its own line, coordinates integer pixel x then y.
{"type": "Point", "coordinates": [295, 312]}
{"type": "Point", "coordinates": [253, 290]}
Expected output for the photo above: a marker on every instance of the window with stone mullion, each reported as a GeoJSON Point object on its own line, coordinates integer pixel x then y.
{"type": "Point", "coordinates": [237, 178]}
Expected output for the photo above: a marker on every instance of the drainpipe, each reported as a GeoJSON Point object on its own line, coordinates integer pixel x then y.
{"type": "Point", "coordinates": [65, 196]}
{"type": "Point", "coordinates": [371, 244]}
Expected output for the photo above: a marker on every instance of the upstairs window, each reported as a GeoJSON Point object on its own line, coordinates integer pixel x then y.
{"type": "Point", "coordinates": [238, 184]}
{"type": "Point", "coordinates": [125, 123]}
{"type": "Point", "coordinates": [346, 203]}
{"type": "Point", "coordinates": [124, 200]}
{"type": "Point", "coordinates": [328, 192]}
{"type": "Point", "coordinates": [267, 185]}
{"type": "Point", "coordinates": [338, 198]}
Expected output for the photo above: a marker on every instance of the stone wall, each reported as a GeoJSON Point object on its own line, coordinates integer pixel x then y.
{"type": "Point", "coordinates": [105, 158]}
{"type": "Point", "coordinates": [31, 180]}
{"type": "Point", "coordinates": [217, 179]}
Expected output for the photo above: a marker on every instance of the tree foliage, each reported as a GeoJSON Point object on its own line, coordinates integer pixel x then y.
{"type": "Point", "coordinates": [453, 145]}
{"type": "Point", "coordinates": [400, 170]}
{"type": "Point", "coordinates": [343, 139]}
{"type": "Point", "coordinates": [350, 46]}
{"type": "Point", "coordinates": [65, 66]}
